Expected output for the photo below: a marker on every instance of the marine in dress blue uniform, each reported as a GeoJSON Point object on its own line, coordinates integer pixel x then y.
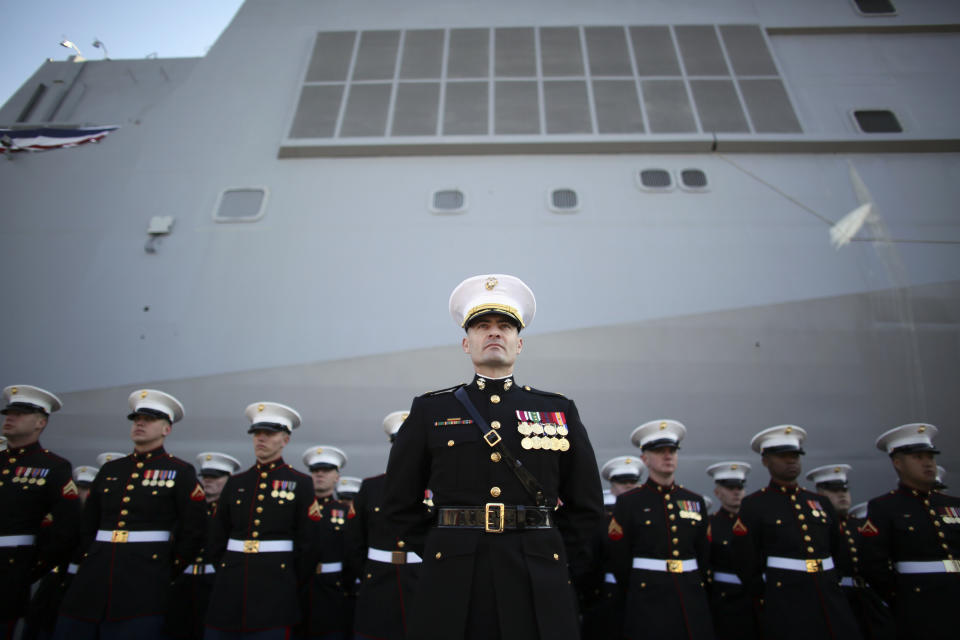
{"type": "Point", "coordinates": [263, 544]}
{"type": "Point", "coordinates": [190, 592]}
{"type": "Point", "coordinates": [659, 544]}
{"type": "Point", "coordinates": [387, 571]}
{"type": "Point", "coordinates": [325, 601]}
{"type": "Point", "coordinates": [38, 499]}
{"type": "Point", "coordinates": [500, 552]}
{"type": "Point", "coordinates": [142, 523]}
{"type": "Point", "coordinates": [873, 616]}
{"type": "Point", "coordinates": [734, 615]}
{"type": "Point", "coordinates": [911, 539]}
{"type": "Point", "coordinates": [41, 615]}
{"type": "Point", "coordinates": [786, 539]}
{"type": "Point", "coordinates": [603, 600]}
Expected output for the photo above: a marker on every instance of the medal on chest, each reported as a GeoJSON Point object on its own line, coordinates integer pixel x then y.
{"type": "Point", "coordinates": [544, 430]}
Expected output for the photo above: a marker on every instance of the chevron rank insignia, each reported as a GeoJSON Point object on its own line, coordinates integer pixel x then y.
{"type": "Point", "coordinates": [614, 530]}
{"type": "Point", "coordinates": [315, 513]}
{"type": "Point", "coordinates": [739, 529]}
{"type": "Point", "coordinates": [197, 495]}
{"type": "Point", "coordinates": [70, 491]}
{"type": "Point", "coordinates": [868, 529]}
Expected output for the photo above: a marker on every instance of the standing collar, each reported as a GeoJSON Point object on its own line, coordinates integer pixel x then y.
{"type": "Point", "coordinates": [493, 385]}
{"type": "Point", "coordinates": [149, 455]}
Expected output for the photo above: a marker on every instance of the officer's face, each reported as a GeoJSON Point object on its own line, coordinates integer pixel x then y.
{"type": "Point", "coordinates": [839, 498]}
{"type": "Point", "coordinates": [617, 487]}
{"type": "Point", "coordinates": [268, 444]}
{"type": "Point", "coordinates": [493, 343]}
{"type": "Point", "coordinates": [22, 428]}
{"type": "Point", "coordinates": [784, 467]}
{"type": "Point", "coordinates": [148, 432]}
{"type": "Point", "coordinates": [324, 480]}
{"type": "Point", "coordinates": [213, 486]}
{"type": "Point", "coordinates": [917, 469]}
{"type": "Point", "coordinates": [729, 497]}
{"type": "Point", "coordinates": [661, 461]}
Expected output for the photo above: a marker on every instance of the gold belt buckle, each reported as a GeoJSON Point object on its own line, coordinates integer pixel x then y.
{"type": "Point", "coordinates": [120, 536]}
{"type": "Point", "coordinates": [952, 566]}
{"type": "Point", "coordinates": [398, 557]}
{"type": "Point", "coordinates": [197, 569]}
{"type": "Point", "coordinates": [814, 565]}
{"type": "Point", "coordinates": [251, 546]}
{"type": "Point", "coordinates": [493, 509]}
{"type": "Point", "coordinates": [489, 438]}
{"type": "Point", "coordinates": [675, 566]}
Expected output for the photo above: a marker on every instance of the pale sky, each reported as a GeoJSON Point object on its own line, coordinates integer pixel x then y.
{"type": "Point", "coordinates": [128, 28]}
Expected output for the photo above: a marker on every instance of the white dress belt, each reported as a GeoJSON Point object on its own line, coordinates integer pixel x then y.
{"type": "Point", "coordinates": [813, 565]}
{"type": "Point", "coordinates": [132, 536]}
{"type": "Point", "coordinates": [259, 546]}
{"type": "Point", "coordinates": [928, 566]}
{"type": "Point", "coordinates": [609, 578]}
{"type": "Point", "coordinates": [728, 578]}
{"type": "Point", "coordinates": [17, 541]}
{"type": "Point", "coordinates": [667, 566]}
{"type": "Point", "coordinates": [330, 567]}
{"type": "Point", "coordinates": [199, 569]}
{"type": "Point", "coordinates": [393, 557]}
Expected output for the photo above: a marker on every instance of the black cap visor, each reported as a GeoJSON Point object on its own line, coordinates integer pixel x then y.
{"type": "Point", "coordinates": [660, 444]}
{"type": "Point", "coordinates": [268, 426]}
{"type": "Point", "coordinates": [213, 473]}
{"type": "Point", "coordinates": [833, 485]}
{"type": "Point", "coordinates": [784, 448]}
{"type": "Point", "coordinates": [150, 413]}
{"type": "Point", "coordinates": [625, 478]}
{"type": "Point", "coordinates": [514, 320]}
{"type": "Point", "coordinates": [23, 407]}
{"type": "Point", "coordinates": [323, 466]}
{"type": "Point", "coordinates": [918, 447]}
{"type": "Point", "coordinates": [731, 483]}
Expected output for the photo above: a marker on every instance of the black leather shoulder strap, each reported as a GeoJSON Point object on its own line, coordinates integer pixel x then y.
{"type": "Point", "coordinates": [492, 438]}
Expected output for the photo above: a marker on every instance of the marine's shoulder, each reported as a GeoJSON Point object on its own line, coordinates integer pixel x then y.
{"type": "Point", "coordinates": [178, 462]}
{"type": "Point", "coordinates": [542, 392]}
{"type": "Point", "coordinates": [52, 459]}
{"type": "Point", "coordinates": [440, 393]}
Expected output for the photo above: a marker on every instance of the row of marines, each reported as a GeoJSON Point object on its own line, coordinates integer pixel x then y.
{"type": "Point", "coordinates": [662, 567]}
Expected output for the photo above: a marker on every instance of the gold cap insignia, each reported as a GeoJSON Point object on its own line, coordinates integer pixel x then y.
{"type": "Point", "coordinates": [837, 469]}
{"type": "Point", "coordinates": [260, 407]}
{"type": "Point", "coordinates": [733, 467]}
{"type": "Point", "coordinates": [490, 283]}
{"type": "Point", "coordinates": [209, 457]}
{"type": "Point", "coordinates": [404, 415]}
{"type": "Point", "coordinates": [14, 391]}
{"type": "Point", "coordinates": [628, 461]}
{"type": "Point", "coordinates": [921, 429]}
{"type": "Point", "coordinates": [319, 449]}
{"type": "Point", "coordinates": [663, 425]}
{"type": "Point", "coordinates": [143, 394]}
{"type": "Point", "coordinates": [788, 430]}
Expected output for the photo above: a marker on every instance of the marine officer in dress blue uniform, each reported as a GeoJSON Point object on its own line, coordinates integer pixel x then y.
{"type": "Point", "coordinates": [142, 524]}
{"type": "Point", "coordinates": [603, 599]}
{"type": "Point", "coordinates": [786, 539]}
{"type": "Point", "coordinates": [734, 616]}
{"type": "Point", "coordinates": [190, 592]}
{"type": "Point", "coordinates": [325, 603]}
{"type": "Point", "coordinates": [263, 539]}
{"type": "Point", "coordinates": [38, 499]}
{"type": "Point", "coordinates": [659, 544]}
{"type": "Point", "coordinates": [388, 572]}
{"type": "Point", "coordinates": [516, 490]}
{"type": "Point", "coordinates": [911, 539]}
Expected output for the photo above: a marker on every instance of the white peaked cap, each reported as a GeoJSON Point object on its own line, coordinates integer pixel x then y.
{"type": "Point", "coordinates": [782, 438]}
{"type": "Point", "coordinates": [322, 454]}
{"type": "Point", "coordinates": [84, 473]}
{"type": "Point", "coordinates": [391, 423]}
{"type": "Point", "coordinates": [272, 415]}
{"type": "Point", "coordinates": [107, 456]}
{"type": "Point", "coordinates": [829, 473]}
{"type": "Point", "coordinates": [348, 484]}
{"type": "Point", "coordinates": [658, 433]}
{"type": "Point", "coordinates": [858, 510]}
{"type": "Point", "coordinates": [917, 436]}
{"type": "Point", "coordinates": [734, 470]}
{"type": "Point", "coordinates": [155, 403]}
{"type": "Point", "coordinates": [622, 466]}
{"type": "Point", "coordinates": [493, 293]}
{"type": "Point", "coordinates": [214, 461]}
{"type": "Point", "coordinates": [27, 397]}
